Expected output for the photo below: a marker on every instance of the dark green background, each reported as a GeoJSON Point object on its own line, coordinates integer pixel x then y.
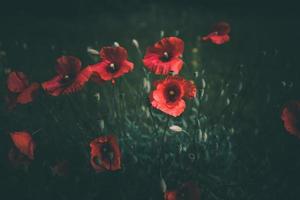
{"type": "Point", "coordinates": [263, 161]}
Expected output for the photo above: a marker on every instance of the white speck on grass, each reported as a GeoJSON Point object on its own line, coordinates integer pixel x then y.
{"type": "Point", "coordinates": [227, 101]}
{"type": "Point", "coordinates": [162, 33]}
{"type": "Point", "coordinates": [203, 83]}
{"type": "Point", "coordinates": [176, 128]}
{"type": "Point", "coordinates": [222, 92]}
{"type": "Point", "coordinates": [205, 137]}
{"type": "Point", "coordinates": [102, 124]}
{"type": "Point", "coordinates": [97, 96]}
{"type": "Point", "coordinates": [147, 85]}
{"type": "Point", "coordinates": [240, 87]}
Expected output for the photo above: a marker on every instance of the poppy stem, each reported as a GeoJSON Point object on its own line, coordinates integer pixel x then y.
{"type": "Point", "coordinates": [163, 139]}
{"type": "Point", "coordinates": [116, 108]}
{"type": "Point", "coordinates": [153, 120]}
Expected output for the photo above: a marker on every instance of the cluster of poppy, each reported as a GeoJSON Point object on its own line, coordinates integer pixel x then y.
{"type": "Point", "coordinates": [163, 58]}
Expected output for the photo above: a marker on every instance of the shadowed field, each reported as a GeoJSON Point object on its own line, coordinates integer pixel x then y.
{"type": "Point", "coordinates": [235, 145]}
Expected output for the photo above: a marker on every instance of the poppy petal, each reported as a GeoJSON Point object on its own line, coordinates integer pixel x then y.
{"type": "Point", "coordinates": [172, 45]}
{"type": "Point", "coordinates": [222, 28]}
{"type": "Point", "coordinates": [114, 54]}
{"type": "Point", "coordinates": [175, 45]}
{"type": "Point", "coordinates": [17, 82]}
{"type": "Point", "coordinates": [291, 117]}
{"type": "Point", "coordinates": [81, 79]}
{"type": "Point", "coordinates": [68, 65]}
{"type": "Point", "coordinates": [155, 65]}
{"type": "Point", "coordinates": [171, 195]}
{"type": "Point", "coordinates": [125, 67]}
{"type": "Point", "coordinates": [54, 86]}
{"type": "Point", "coordinates": [24, 143]}
{"type": "Point", "coordinates": [27, 95]}
{"type": "Point", "coordinates": [219, 39]}
{"type": "Point", "coordinates": [216, 39]}
{"type": "Point", "coordinates": [175, 110]}
{"type": "Point", "coordinates": [100, 70]}
{"type": "Point", "coordinates": [190, 89]}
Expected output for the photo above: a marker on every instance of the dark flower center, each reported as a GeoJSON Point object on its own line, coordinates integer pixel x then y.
{"type": "Point", "coordinates": [172, 93]}
{"type": "Point", "coordinates": [112, 68]}
{"type": "Point", "coordinates": [68, 79]}
{"type": "Point", "coordinates": [107, 152]}
{"type": "Point", "coordinates": [165, 57]}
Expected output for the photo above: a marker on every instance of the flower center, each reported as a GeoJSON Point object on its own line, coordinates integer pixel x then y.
{"type": "Point", "coordinates": [166, 57]}
{"type": "Point", "coordinates": [107, 152]}
{"type": "Point", "coordinates": [172, 93]}
{"type": "Point", "coordinates": [67, 79]}
{"type": "Point", "coordinates": [112, 68]}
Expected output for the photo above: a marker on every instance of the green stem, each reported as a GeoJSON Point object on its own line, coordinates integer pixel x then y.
{"type": "Point", "coordinates": [162, 149]}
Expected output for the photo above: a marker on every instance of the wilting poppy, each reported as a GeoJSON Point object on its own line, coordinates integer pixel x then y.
{"type": "Point", "coordinates": [21, 91]}
{"type": "Point", "coordinates": [170, 93]}
{"type": "Point", "coordinates": [187, 191]}
{"type": "Point", "coordinates": [70, 77]}
{"type": "Point", "coordinates": [164, 56]}
{"type": "Point", "coordinates": [24, 143]}
{"type": "Point", "coordinates": [291, 117]}
{"type": "Point", "coordinates": [113, 63]}
{"type": "Point", "coordinates": [105, 154]}
{"type": "Point", "coordinates": [219, 34]}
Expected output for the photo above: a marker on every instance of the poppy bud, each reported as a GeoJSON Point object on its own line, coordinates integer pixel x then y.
{"type": "Point", "coordinates": [163, 185]}
{"type": "Point", "coordinates": [175, 128]}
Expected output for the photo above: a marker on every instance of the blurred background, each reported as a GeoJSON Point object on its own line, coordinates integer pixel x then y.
{"type": "Point", "coordinates": [241, 149]}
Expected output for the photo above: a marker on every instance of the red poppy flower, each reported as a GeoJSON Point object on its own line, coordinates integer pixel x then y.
{"type": "Point", "coordinates": [24, 143]}
{"type": "Point", "coordinates": [21, 91]}
{"type": "Point", "coordinates": [291, 117]}
{"type": "Point", "coordinates": [70, 77]}
{"type": "Point", "coordinates": [187, 191]}
{"type": "Point", "coordinates": [114, 63]}
{"type": "Point", "coordinates": [170, 93]}
{"type": "Point", "coordinates": [164, 56]}
{"type": "Point", "coordinates": [105, 154]}
{"type": "Point", "coordinates": [219, 34]}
